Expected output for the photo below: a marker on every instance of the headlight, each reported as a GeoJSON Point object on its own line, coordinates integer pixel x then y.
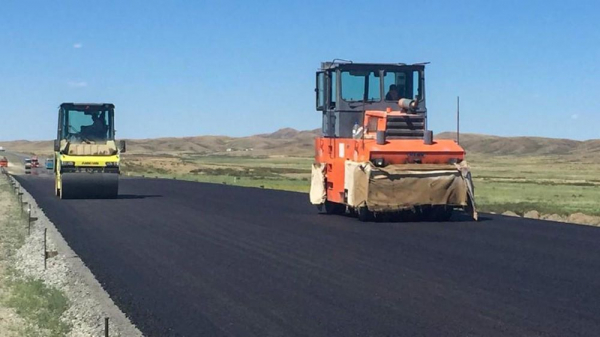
{"type": "Point", "coordinates": [112, 163]}
{"type": "Point", "coordinates": [379, 162]}
{"type": "Point", "coordinates": [67, 163]}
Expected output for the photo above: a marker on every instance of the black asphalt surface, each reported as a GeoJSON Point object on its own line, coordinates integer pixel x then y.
{"type": "Point", "coordinates": [192, 259]}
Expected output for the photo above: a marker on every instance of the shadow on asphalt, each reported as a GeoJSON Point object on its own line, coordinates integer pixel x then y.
{"type": "Point", "coordinates": [484, 218]}
{"type": "Point", "coordinates": [138, 196]}
{"type": "Point", "coordinates": [458, 216]}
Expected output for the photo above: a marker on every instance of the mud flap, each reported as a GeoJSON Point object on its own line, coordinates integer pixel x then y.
{"type": "Point", "coordinates": [318, 192]}
{"type": "Point", "coordinates": [465, 173]}
{"type": "Point", "coordinates": [405, 186]}
{"type": "Point", "coordinates": [397, 188]}
{"type": "Point", "coordinates": [356, 182]}
{"type": "Point", "coordinates": [89, 185]}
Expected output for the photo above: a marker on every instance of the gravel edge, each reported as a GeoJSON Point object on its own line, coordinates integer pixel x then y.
{"type": "Point", "coordinates": [90, 304]}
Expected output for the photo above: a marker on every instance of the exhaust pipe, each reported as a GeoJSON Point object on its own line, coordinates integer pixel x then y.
{"type": "Point", "coordinates": [428, 137]}
{"type": "Point", "coordinates": [380, 137]}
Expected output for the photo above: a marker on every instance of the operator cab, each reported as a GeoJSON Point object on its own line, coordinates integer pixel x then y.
{"type": "Point", "coordinates": [86, 123]}
{"type": "Point", "coordinates": [345, 90]}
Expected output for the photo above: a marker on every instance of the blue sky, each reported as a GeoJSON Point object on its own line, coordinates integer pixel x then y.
{"type": "Point", "coordinates": [184, 68]}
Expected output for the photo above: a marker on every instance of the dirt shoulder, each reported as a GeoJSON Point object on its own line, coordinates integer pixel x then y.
{"type": "Point", "coordinates": [15, 163]}
{"type": "Point", "coordinates": [10, 322]}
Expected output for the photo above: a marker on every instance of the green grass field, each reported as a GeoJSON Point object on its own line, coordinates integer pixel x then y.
{"type": "Point", "coordinates": [548, 184]}
{"type": "Point", "coordinates": [283, 173]}
{"type": "Point", "coordinates": [39, 305]}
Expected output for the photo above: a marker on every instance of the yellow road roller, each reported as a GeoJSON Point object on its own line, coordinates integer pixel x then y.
{"type": "Point", "coordinates": [86, 155]}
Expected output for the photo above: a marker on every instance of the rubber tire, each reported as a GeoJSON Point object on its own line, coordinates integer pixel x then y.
{"type": "Point", "coordinates": [330, 207]}
{"type": "Point", "coordinates": [364, 214]}
{"type": "Point", "coordinates": [446, 214]}
{"type": "Point", "coordinates": [441, 213]}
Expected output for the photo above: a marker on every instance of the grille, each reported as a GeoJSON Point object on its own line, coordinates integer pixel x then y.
{"type": "Point", "coordinates": [406, 126]}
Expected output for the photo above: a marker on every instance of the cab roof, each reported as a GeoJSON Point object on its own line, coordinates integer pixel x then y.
{"type": "Point", "coordinates": [364, 66]}
{"type": "Point", "coordinates": [80, 105]}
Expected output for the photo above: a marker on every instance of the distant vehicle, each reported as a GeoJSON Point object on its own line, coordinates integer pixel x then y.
{"type": "Point", "coordinates": [27, 166]}
{"type": "Point", "coordinates": [35, 162]}
{"type": "Point", "coordinates": [3, 162]}
{"type": "Point", "coordinates": [1, 149]}
{"type": "Point", "coordinates": [49, 163]}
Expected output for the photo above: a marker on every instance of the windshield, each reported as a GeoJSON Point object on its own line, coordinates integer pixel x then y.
{"type": "Point", "coordinates": [402, 84]}
{"type": "Point", "coordinates": [360, 86]}
{"type": "Point", "coordinates": [369, 86]}
{"type": "Point", "coordinates": [87, 125]}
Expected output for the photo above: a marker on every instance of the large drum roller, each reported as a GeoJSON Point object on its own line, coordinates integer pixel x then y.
{"type": "Point", "coordinates": [86, 155]}
{"type": "Point", "coordinates": [89, 185]}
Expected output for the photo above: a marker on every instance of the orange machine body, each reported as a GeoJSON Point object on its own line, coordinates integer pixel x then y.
{"type": "Point", "coordinates": [333, 152]}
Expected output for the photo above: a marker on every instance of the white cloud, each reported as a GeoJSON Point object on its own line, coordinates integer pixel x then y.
{"type": "Point", "coordinates": [574, 116]}
{"type": "Point", "coordinates": [78, 45]}
{"type": "Point", "coordinates": [77, 84]}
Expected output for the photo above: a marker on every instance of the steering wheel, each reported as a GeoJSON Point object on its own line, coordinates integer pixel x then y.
{"type": "Point", "coordinates": [78, 135]}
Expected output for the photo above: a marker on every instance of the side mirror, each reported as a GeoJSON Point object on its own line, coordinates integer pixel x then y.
{"type": "Point", "coordinates": [56, 145]}
{"type": "Point", "coordinates": [122, 146]}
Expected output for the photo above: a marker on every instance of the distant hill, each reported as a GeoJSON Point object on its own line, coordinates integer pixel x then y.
{"type": "Point", "coordinates": [292, 142]}
{"type": "Point", "coordinates": [537, 146]}
{"type": "Point", "coordinates": [282, 142]}
{"type": "Point", "coordinates": [26, 146]}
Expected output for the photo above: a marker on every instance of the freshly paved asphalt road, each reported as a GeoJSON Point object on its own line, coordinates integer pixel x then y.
{"type": "Point", "coordinates": [191, 259]}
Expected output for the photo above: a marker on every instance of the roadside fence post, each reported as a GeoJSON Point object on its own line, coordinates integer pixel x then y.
{"type": "Point", "coordinates": [29, 220]}
{"type": "Point", "coordinates": [21, 202]}
{"type": "Point", "coordinates": [45, 249]}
